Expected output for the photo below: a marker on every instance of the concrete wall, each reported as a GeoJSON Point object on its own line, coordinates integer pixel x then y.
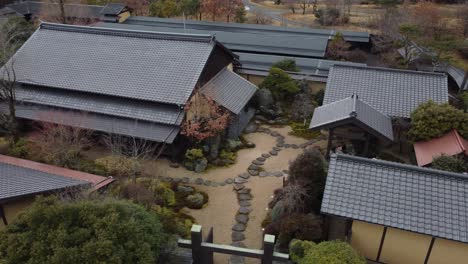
{"type": "Point", "coordinates": [404, 247]}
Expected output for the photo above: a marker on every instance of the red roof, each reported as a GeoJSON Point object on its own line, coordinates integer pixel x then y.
{"type": "Point", "coordinates": [96, 181]}
{"type": "Point", "coordinates": [449, 144]}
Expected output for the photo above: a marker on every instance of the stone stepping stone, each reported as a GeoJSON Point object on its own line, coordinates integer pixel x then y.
{"type": "Point", "coordinates": [253, 172]}
{"type": "Point", "coordinates": [237, 236]}
{"type": "Point", "coordinates": [185, 180]}
{"type": "Point", "coordinates": [277, 174]}
{"type": "Point", "coordinates": [257, 162]}
{"type": "Point", "coordinates": [240, 180]}
{"type": "Point", "coordinates": [253, 167]}
{"type": "Point", "coordinates": [262, 159]}
{"type": "Point", "coordinates": [244, 210]}
{"type": "Point", "coordinates": [245, 203]}
{"type": "Point", "coordinates": [238, 244]}
{"type": "Point", "coordinates": [238, 227]}
{"type": "Point", "coordinates": [280, 140]}
{"type": "Point", "coordinates": [214, 184]}
{"type": "Point", "coordinates": [285, 171]}
{"type": "Point", "coordinates": [276, 149]}
{"type": "Point", "coordinates": [244, 175]}
{"type": "Point", "coordinates": [275, 134]}
{"type": "Point", "coordinates": [244, 190]}
{"type": "Point", "coordinates": [242, 218]}
{"type": "Point", "coordinates": [279, 145]}
{"type": "Point", "coordinates": [199, 181]}
{"type": "Point", "coordinates": [229, 181]}
{"type": "Point", "coordinates": [266, 155]}
{"type": "Point", "coordinates": [174, 165]}
{"type": "Point", "coordinates": [287, 145]}
{"type": "Point", "coordinates": [294, 146]}
{"type": "Point", "coordinates": [263, 174]}
{"type": "Point", "coordinates": [236, 260]}
{"type": "Point", "coordinates": [238, 187]}
{"type": "Point", "coordinates": [207, 183]}
{"type": "Point", "coordinates": [245, 197]}
{"type": "Point", "coordinates": [274, 153]}
{"type": "Point", "coordinates": [222, 184]}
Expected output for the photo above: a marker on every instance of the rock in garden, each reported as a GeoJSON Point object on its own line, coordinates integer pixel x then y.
{"type": "Point", "coordinates": [264, 98]}
{"type": "Point", "coordinates": [294, 146]}
{"type": "Point", "coordinates": [276, 148]}
{"type": "Point", "coordinates": [194, 201]}
{"type": "Point", "coordinates": [242, 218]}
{"type": "Point", "coordinates": [280, 145]}
{"type": "Point", "coordinates": [229, 181]}
{"type": "Point", "coordinates": [277, 174]}
{"type": "Point", "coordinates": [253, 172]}
{"type": "Point", "coordinates": [266, 155]}
{"type": "Point", "coordinates": [253, 167]}
{"type": "Point", "coordinates": [251, 128]}
{"type": "Point", "coordinates": [287, 145]}
{"type": "Point", "coordinates": [244, 197]}
{"type": "Point", "coordinates": [185, 180]}
{"type": "Point", "coordinates": [260, 118]}
{"type": "Point", "coordinates": [222, 183]}
{"type": "Point", "coordinates": [239, 180]}
{"type": "Point", "coordinates": [275, 134]}
{"type": "Point", "coordinates": [238, 187]}
{"type": "Point", "coordinates": [285, 171]}
{"type": "Point", "coordinates": [262, 159]}
{"type": "Point", "coordinates": [256, 162]}
{"type": "Point", "coordinates": [174, 165]}
{"type": "Point", "coordinates": [244, 210]}
{"type": "Point", "coordinates": [244, 175]}
{"type": "Point", "coordinates": [263, 174]}
{"type": "Point", "coordinates": [250, 145]}
{"type": "Point", "coordinates": [237, 236]}
{"type": "Point", "coordinates": [207, 183]}
{"type": "Point", "coordinates": [274, 153]}
{"type": "Point", "coordinates": [238, 244]}
{"type": "Point", "coordinates": [185, 190]}
{"type": "Point", "coordinates": [214, 184]}
{"type": "Point", "coordinates": [176, 180]}
{"type": "Point", "coordinates": [238, 227]}
{"type": "Point", "coordinates": [236, 260]}
{"type": "Point", "coordinates": [245, 203]}
{"type": "Point", "coordinates": [245, 190]}
{"type": "Point", "coordinates": [233, 144]}
{"type": "Point", "coordinates": [199, 181]}
{"type": "Point", "coordinates": [200, 165]}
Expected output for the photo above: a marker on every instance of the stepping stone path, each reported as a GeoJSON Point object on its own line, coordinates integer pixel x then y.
{"type": "Point", "coordinates": [239, 227]}
{"type": "Point", "coordinates": [257, 162]}
{"type": "Point", "coordinates": [242, 218]}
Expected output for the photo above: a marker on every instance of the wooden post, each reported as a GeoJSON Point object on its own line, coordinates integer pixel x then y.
{"type": "Point", "coordinates": [268, 249]}
{"type": "Point", "coordinates": [208, 255]}
{"type": "Point", "coordinates": [330, 139]}
{"type": "Point", "coordinates": [196, 236]}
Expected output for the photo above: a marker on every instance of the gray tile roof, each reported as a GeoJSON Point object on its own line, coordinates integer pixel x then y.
{"type": "Point", "coordinates": [393, 92]}
{"type": "Point", "coordinates": [98, 122]}
{"type": "Point", "coordinates": [138, 65]}
{"type": "Point", "coordinates": [18, 181]}
{"type": "Point", "coordinates": [112, 9]}
{"type": "Point", "coordinates": [229, 90]}
{"type": "Point", "coordinates": [352, 111]}
{"type": "Point", "coordinates": [294, 45]}
{"type": "Point", "coordinates": [402, 196]}
{"type": "Point", "coordinates": [115, 106]}
{"type": "Point", "coordinates": [248, 28]}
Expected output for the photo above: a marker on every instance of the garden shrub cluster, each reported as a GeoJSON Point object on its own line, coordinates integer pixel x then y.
{"type": "Point", "coordinates": [450, 163]}
{"type": "Point", "coordinates": [88, 231]}
{"type": "Point", "coordinates": [119, 166]}
{"type": "Point", "coordinates": [328, 252]}
{"type": "Point", "coordinates": [302, 130]}
{"type": "Point", "coordinates": [280, 84]}
{"type": "Point", "coordinates": [19, 149]}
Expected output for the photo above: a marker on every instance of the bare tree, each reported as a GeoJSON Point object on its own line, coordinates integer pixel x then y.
{"type": "Point", "coordinates": [66, 12]}
{"type": "Point", "coordinates": [294, 198]}
{"type": "Point", "coordinates": [261, 18]}
{"type": "Point", "coordinates": [304, 4]}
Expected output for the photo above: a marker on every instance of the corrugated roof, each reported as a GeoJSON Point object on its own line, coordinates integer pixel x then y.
{"type": "Point", "coordinates": [248, 28]}
{"type": "Point", "coordinates": [98, 122]}
{"type": "Point", "coordinates": [352, 111]}
{"type": "Point", "coordinates": [18, 181]}
{"type": "Point", "coordinates": [229, 90]}
{"type": "Point", "coordinates": [402, 196]}
{"type": "Point", "coordinates": [138, 65]}
{"type": "Point", "coordinates": [396, 93]}
{"type": "Point", "coordinates": [109, 105]}
{"type": "Point", "coordinates": [449, 144]}
{"type": "Point", "coordinates": [294, 45]}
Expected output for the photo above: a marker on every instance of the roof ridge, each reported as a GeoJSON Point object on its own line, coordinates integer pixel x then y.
{"type": "Point", "coordinates": [128, 33]}
{"type": "Point", "coordinates": [440, 74]}
{"type": "Point", "coordinates": [401, 166]}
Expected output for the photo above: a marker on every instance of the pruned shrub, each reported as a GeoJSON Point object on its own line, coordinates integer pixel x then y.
{"type": "Point", "coordinates": [119, 165]}
{"type": "Point", "coordinates": [138, 193]}
{"type": "Point", "coordinates": [195, 201]}
{"type": "Point", "coordinates": [174, 222]}
{"type": "Point", "coordinates": [19, 149]}
{"type": "Point", "coordinates": [325, 253]}
{"type": "Point", "coordinates": [281, 85]}
{"type": "Point", "coordinates": [450, 163]}
{"type": "Point", "coordinates": [287, 65]}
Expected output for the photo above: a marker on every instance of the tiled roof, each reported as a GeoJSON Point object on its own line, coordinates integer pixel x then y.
{"type": "Point", "coordinates": [112, 9]}
{"type": "Point", "coordinates": [449, 144]}
{"type": "Point", "coordinates": [304, 46]}
{"type": "Point", "coordinates": [248, 28]}
{"type": "Point", "coordinates": [395, 93]}
{"type": "Point", "coordinates": [150, 66]}
{"type": "Point", "coordinates": [402, 196]}
{"type": "Point", "coordinates": [229, 90]}
{"type": "Point", "coordinates": [109, 105]}
{"type": "Point", "coordinates": [96, 181]}
{"type": "Point", "coordinates": [352, 111]}
{"type": "Point", "coordinates": [18, 181]}
{"type": "Point", "coordinates": [98, 122]}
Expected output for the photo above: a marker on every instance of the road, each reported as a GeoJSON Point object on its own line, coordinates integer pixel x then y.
{"type": "Point", "coordinates": [273, 14]}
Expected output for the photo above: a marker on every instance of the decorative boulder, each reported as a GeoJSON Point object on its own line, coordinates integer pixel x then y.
{"type": "Point", "coordinates": [194, 201]}
{"type": "Point", "coordinates": [251, 128]}
{"type": "Point", "coordinates": [233, 144]}
{"type": "Point", "coordinates": [264, 98]}
{"type": "Point", "coordinates": [302, 107]}
{"type": "Point", "coordinates": [185, 190]}
{"type": "Point", "coordinates": [200, 165]}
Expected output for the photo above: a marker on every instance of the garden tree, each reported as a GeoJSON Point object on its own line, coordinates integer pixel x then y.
{"type": "Point", "coordinates": [463, 18]}
{"type": "Point", "coordinates": [213, 8]}
{"type": "Point", "coordinates": [450, 163]}
{"type": "Point", "coordinates": [287, 65]}
{"type": "Point", "coordinates": [281, 85]}
{"type": "Point", "coordinates": [86, 231]}
{"type": "Point", "coordinates": [291, 4]}
{"type": "Point", "coordinates": [327, 252]}
{"type": "Point", "coordinates": [204, 118]}
{"type": "Point", "coordinates": [260, 17]}
{"type": "Point", "coordinates": [431, 120]}
{"type": "Point", "coordinates": [427, 18]}
{"type": "Point", "coordinates": [230, 8]}
{"type": "Point", "coordinates": [57, 11]}
{"type": "Point", "coordinates": [13, 34]}
{"type": "Point", "coordinates": [408, 32]}
{"type": "Point", "coordinates": [338, 48]}
{"type": "Point", "coordinates": [309, 171]}
{"type": "Point", "coordinates": [241, 15]}
{"type": "Point", "coordinates": [61, 145]}
{"type": "Point", "coordinates": [164, 8]}
{"type": "Point", "coordinates": [190, 8]}
{"type": "Point", "coordinates": [304, 4]}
